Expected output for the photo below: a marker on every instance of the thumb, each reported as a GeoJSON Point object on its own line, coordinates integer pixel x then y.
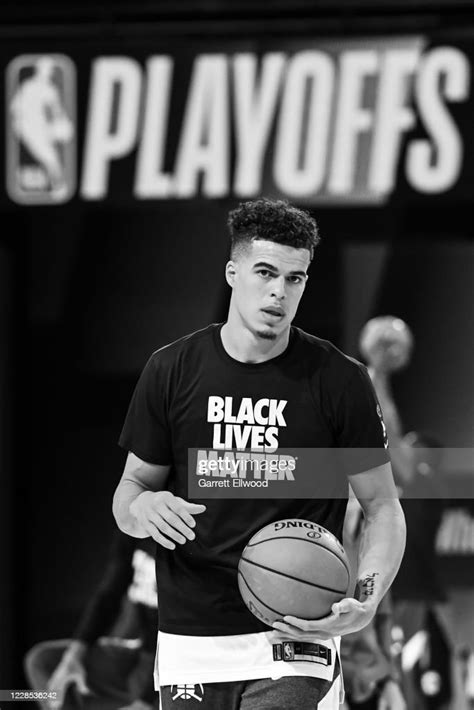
{"type": "Point", "coordinates": [344, 606]}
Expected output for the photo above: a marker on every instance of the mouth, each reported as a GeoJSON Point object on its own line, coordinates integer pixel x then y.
{"type": "Point", "coordinates": [274, 312]}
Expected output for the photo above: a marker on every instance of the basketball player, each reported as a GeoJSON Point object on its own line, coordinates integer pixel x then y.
{"type": "Point", "coordinates": [261, 379]}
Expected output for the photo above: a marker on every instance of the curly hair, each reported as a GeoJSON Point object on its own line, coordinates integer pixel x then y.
{"type": "Point", "coordinates": [273, 220]}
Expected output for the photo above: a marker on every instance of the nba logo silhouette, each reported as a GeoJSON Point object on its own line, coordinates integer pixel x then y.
{"type": "Point", "coordinates": [41, 129]}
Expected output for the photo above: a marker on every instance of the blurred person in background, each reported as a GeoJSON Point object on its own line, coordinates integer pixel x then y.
{"type": "Point", "coordinates": [418, 591]}
{"type": "Point", "coordinates": [91, 671]}
{"type": "Point", "coordinates": [386, 343]}
{"type": "Point", "coordinates": [371, 674]}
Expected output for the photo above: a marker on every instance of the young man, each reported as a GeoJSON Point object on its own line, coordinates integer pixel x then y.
{"type": "Point", "coordinates": [251, 382]}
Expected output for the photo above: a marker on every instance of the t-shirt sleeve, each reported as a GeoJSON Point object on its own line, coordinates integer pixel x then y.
{"type": "Point", "coordinates": [360, 429]}
{"type": "Point", "coordinates": [146, 429]}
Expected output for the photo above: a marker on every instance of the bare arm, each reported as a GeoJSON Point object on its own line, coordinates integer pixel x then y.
{"type": "Point", "coordinates": [137, 478]}
{"type": "Point", "coordinates": [383, 536]}
{"type": "Point", "coordinates": [381, 551]}
{"type": "Point", "coordinates": [142, 506]}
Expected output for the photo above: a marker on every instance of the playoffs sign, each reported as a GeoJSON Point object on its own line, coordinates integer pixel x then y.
{"type": "Point", "coordinates": [318, 124]}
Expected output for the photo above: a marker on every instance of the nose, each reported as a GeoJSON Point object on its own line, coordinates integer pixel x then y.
{"type": "Point", "coordinates": [278, 287]}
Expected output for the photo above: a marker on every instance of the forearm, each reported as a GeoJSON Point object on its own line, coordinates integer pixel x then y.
{"type": "Point", "coordinates": [139, 479]}
{"type": "Point", "coordinates": [381, 550]}
{"type": "Point", "coordinates": [75, 651]}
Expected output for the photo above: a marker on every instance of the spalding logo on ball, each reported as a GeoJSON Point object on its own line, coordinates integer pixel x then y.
{"type": "Point", "coordinates": [292, 567]}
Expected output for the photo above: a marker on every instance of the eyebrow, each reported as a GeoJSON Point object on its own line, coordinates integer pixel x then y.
{"type": "Point", "coordinates": [270, 267]}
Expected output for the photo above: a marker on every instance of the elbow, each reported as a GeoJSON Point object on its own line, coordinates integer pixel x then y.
{"type": "Point", "coordinates": [389, 513]}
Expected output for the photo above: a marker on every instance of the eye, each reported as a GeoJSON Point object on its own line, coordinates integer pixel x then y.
{"type": "Point", "coordinates": [295, 279]}
{"type": "Point", "coordinates": [264, 273]}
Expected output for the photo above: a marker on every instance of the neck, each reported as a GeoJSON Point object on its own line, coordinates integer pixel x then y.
{"type": "Point", "coordinates": [244, 345]}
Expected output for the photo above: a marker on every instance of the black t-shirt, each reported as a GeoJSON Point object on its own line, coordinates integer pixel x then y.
{"type": "Point", "coordinates": [318, 397]}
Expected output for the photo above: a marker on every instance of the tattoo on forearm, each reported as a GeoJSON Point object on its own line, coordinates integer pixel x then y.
{"type": "Point", "coordinates": [366, 587]}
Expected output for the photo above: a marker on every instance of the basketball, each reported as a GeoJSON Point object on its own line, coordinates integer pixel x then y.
{"type": "Point", "coordinates": [292, 567]}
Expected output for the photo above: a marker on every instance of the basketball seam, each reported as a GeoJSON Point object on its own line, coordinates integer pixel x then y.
{"type": "Point", "coordinates": [258, 598]}
{"type": "Point", "coordinates": [295, 579]}
{"type": "Point", "coordinates": [313, 542]}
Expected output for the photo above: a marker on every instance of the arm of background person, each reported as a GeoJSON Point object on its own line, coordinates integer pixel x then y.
{"type": "Point", "coordinates": [104, 606]}
{"type": "Point", "coordinates": [99, 615]}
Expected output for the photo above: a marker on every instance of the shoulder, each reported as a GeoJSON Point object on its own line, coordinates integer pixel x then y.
{"type": "Point", "coordinates": [324, 355]}
{"type": "Point", "coordinates": [193, 343]}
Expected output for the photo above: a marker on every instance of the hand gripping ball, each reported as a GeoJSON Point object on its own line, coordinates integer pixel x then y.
{"type": "Point", "coordinates": [292, 567]}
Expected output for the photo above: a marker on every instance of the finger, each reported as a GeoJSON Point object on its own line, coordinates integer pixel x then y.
{"type": "Point", "coordinates": [302, 624]}
{"type": "Point", "coordinates": [312, 628]}
{"type": "Point", "coordinates": [166, 529]}
{"type": "Point", "coordinates": [187, 507]}
{"type": "Point", "coordinates": [294, 633]}
{"type": "Point", "coordinates": [177, 505]}
{"type": "Point", "coordinates": [345, 606]}
{"type": "Point", "coordinates": [317, 625]}
{"type": "Point", "coordinates": [288, 628]}
{"type": "Point", "coordinates": [177, 523]}
{"type": "Point", "coordinates": [289, 631]}
{"type": "Point", "coordinates": [153, 525]}
{"type": "Point", "coordinates": [153, 532]}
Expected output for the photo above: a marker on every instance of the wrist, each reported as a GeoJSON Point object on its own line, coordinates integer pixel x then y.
{"type": "Point", "coordinates": [136, 502]}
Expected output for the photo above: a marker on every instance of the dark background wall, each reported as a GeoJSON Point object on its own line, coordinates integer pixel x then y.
{"type": "Point", "coordinates": [97, 288]}
{"type": "Point", "coordinates": [7, 480]}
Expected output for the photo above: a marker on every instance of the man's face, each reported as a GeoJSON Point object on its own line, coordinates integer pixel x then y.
{"type": "Point", "coordinates": [268, 280]}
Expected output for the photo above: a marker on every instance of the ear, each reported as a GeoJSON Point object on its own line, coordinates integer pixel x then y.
{"type": "Point", "coordinates": [230, 273]}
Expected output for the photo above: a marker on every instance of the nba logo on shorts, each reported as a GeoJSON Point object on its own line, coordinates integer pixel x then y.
{"type": "Point", "coordinates": [41, 129]}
